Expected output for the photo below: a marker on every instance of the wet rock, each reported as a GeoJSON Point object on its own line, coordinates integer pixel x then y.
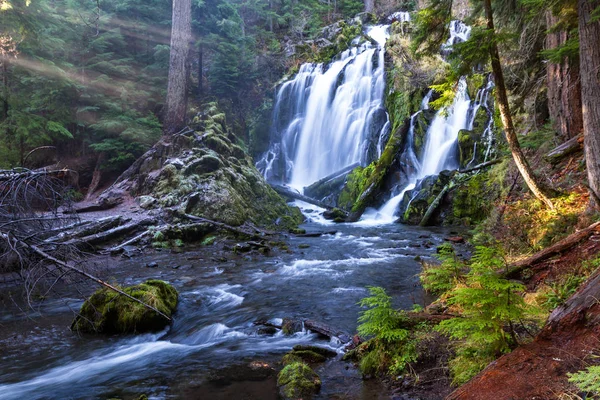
{"type": "Point", "coordinates": [324, 351]}
{"type": "Point", "coordinates": [109, 312]}
{"type": "Point", "coordinates": [267, 330]}
{"type": "Point", "coordinates": [152, 264]}
{"type": "Point", "coordinates": [335, 214]}
{"type": "Point", "coordinates": [309, 356]}
{"type": "Point", "coordinates": [298, 381]}
{"type": "Point", "coordinates": [303, 246]}
{"type": "Point", "coordinates": [297, 231]}
{"type": "Point", "coordinates": [290, 326]}
{"type": "Point", "coordinates": [242, 248]}
{"type": "Point", "coordinates": [147, 201]}
{"type": "Point", "coordinates": [254, 371]}
{"type": "Point", "coordinates": [456, 239]}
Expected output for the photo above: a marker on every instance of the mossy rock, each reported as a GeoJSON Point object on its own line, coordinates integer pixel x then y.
{"type": "Point", "coordinates": [316, 349]}
{"type": "Point", "coordinates": [298, 381]}
{"type": "Point", "coordinates": [107, 311]}
{"type": "Point", "coordinates": [309, 356]}
{"type": "Point", "coordinates": [290, 358]}
{"type": "Point", "coordinates": [205, 164]}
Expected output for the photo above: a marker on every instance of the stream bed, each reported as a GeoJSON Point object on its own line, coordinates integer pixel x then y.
{"type": "Point", "coordinates": [207, 351]}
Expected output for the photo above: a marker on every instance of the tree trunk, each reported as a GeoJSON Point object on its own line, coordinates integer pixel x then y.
{"type": "Point", "coordinates": [564, 86]}
{"type": "Point", "coordinates": [589, 53]}
{"type": "Point", "coordinates": [509, 129]}
{"type": "Point", "coordinates": [369, 6]}
{"type": "Point", "coordinates": [179, 67]}
{"type": "Point", "coordinates": [200, 71]}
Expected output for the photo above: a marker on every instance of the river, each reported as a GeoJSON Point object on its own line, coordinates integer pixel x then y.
{"type": "Point", "coordinates": [206, 352]}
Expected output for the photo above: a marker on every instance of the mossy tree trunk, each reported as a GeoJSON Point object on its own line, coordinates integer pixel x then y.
{"type": "Point", "coordinates": [179, 67]}
{"type": "Point", "coordinates": [589, 53]}
{"type": "Point", "coordinates": [509, 128]}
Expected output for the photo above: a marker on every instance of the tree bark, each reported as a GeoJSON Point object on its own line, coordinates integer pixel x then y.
{"type": "Point", "coordinates": [589, 55]}
{"type": "Point", "coordinates": [564, 86]}
{"type": "Point", "coordinates": [179, 67]}
{"type": "Point", "coordinates": [509, 128]}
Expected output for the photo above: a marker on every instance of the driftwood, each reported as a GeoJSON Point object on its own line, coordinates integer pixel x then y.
{"type": "Point", "coordinates": [129, 242]}
{"type": "Point", "coordinates": [69, 267]}
{"type": "Point", "coordinates": [480, 166]}
{"type": "Point", "coordinates": [282, 190]}
{"type": "Point", "coordinates": [567, 148]}
{"type": "Point", "coordinates": [327, 330]}
{"type": "Point", "coordinates": [107, 235]}
{"type": "Point", "coordinates": [226, 227]}
{"type": "Point", "coordinates": [89, 229]}
{"type": "Point", "coordinates": [343, 171]}
{"type": "Point", "coordinates": [556, 248]}
{"type": "Point", "coordinates": [435, 204]}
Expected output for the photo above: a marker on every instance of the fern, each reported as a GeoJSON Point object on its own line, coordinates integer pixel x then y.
{"type": "Point", "coordinates": [392, 347]}
{"type": "Point", "coordinates": [439, 279]}
{"type": "Point", "coordinates": [488, 304]}
{"type": "Point", "coordinates": [587, 380]}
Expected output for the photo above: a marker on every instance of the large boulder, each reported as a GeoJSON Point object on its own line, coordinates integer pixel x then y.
{"type": "Point", "coordinates": [298, 381]}
{"type": "Point", "coordinates": [207, 173]}
{"type": "Point", "coordinates": [107, 311]}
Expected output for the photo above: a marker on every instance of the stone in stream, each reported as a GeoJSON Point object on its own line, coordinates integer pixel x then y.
{"type": "Point", "coordinates": [107, 311]}
{"type": "Point", "coordinates": [290, 326]}
{"type": "Point", "coordinates": [298, 381]}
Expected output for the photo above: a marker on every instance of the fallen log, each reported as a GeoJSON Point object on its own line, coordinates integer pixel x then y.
{"type": "Point", "coordinates": [435, 204]}
{"type": "Point", "coordinates": [480, 166]}
{"type": "Point", "coordinates": [555, 249]}
{"type": "Point", "coordinates": [226, 227]}
{"type": "Point", "coordinates": [63, 265]}
{"type": "Point", "coordinates": [282, 190]}
{"type": "Point", "coordinates": [128, 242]}
{"type": "Point", "coordinates": [327, 330]}
{"type": "Point", "coordinates": [342, 172]}
{"type": "Point", "coordinates": [105, 236]}
{"type": "Point", "coordinates": [101, 225]}
{"type": "Point", "coordinates": [567, 148]}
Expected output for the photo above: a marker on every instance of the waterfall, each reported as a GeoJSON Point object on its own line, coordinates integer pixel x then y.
{"type": "Point", "coordinates": [329, 116]}
{"type": "Point", "coordinates": [439, 152]}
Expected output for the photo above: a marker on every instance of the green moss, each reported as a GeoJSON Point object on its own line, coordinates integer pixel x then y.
{"type": "Point", "coordinates": [109, 312]}
{"type": "Point", "coordinates": [298, 381]}
{"type": "Point", "coordinates": [290, 358]}
{"type": "Point", "coordinates": [356, 183]}
{"type": "Point", "coordinates": [208, 240]}
{"type": "Point", "coordinates": [309, 356]}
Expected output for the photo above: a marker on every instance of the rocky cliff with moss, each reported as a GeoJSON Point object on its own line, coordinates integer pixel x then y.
{"type": "Point", "coordinates": [204, 171]}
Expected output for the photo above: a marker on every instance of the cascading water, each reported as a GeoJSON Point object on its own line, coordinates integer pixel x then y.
{"type": "Point", "coordinates": [329, 117]}
{"type": "Point", "coordinates": [439, 152]}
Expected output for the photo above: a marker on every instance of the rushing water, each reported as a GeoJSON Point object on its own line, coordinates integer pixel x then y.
{"type": "Point", "coordinates": [329, 116]}
{"type": "Point", "coordinates": [440, 149]}
{"type": "Point", "coordinates": [213, 328]}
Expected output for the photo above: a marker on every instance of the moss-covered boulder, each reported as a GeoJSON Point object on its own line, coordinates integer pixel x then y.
{"type": "Point", "coordinates": [207, 173]}
{"type": "Point", "coordinates": [107, 311]}
{"type": "Point", "coordinates": [298, 381]}
{"type": "Point", "coordinates": [416, 202]}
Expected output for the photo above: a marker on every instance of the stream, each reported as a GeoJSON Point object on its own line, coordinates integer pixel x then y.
{"type": "Point", "coordinates": [207, 350]}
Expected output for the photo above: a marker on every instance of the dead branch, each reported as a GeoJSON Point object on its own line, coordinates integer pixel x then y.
{"type": "Point", "coordinates": [62, 264]}
{"type": "Point", "coordinates": [556, 248]}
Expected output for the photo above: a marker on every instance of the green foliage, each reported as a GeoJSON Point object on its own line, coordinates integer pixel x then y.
{"type": "Point", "coordinates": [381, 319]}
{"type": "Point", "coordinates": [440, 279]}
{"type": "Point", "coordinates": [393, 347]}
{"type": "Point", "coordinates": [587, 380]}
{"type": "Point", "coordinates": [489, 306]}
{"type": "Point", "coordinates": [561, 291]}
{"type": "Point", "coordinates": [431, 27]}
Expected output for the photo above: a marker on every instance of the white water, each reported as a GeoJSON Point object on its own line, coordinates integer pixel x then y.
{"type": "Point", "coordinates": [441, 137]}
{"type": "Point", "coordinates": [329, 114]}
